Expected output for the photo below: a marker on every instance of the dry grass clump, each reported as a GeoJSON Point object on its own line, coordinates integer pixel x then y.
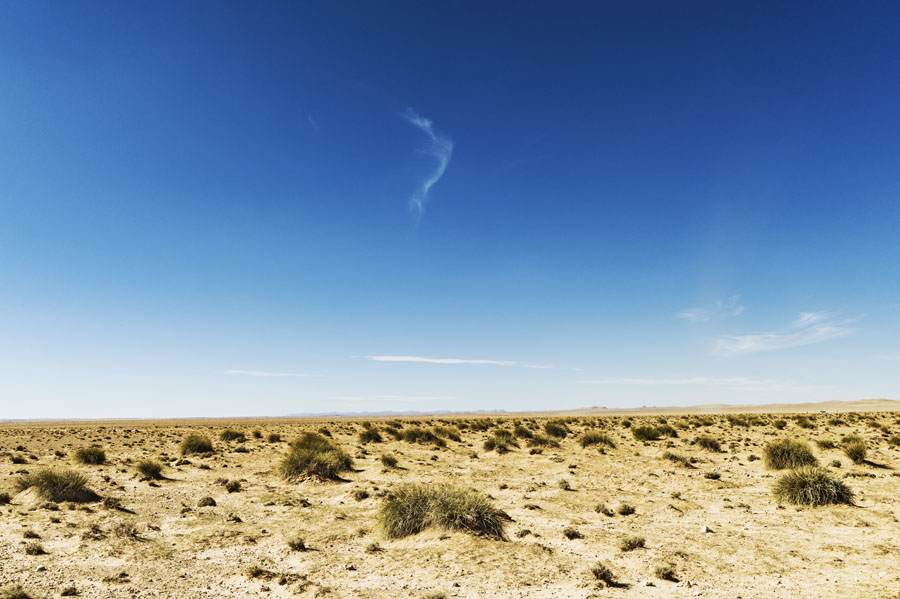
{"type": "Point", "coordinates": [296, 543]}
{"type": "Point", "coordinates": [556, 429]}
{"type": "Point", "coordinates": [501, 440]}
{"type": "Point", "coordinates": [542, 441]}
{"type": "Point", "coordinates": [522, 432]}
{"type": "Point", "coordinates": [596, 438]}
{"type": "Point", "coordinates": [150, 469]}
{"type": "Point", "coordinates": [15, 591]}
{"type": "Point", "coordinates": [646, 433]}
{"type": "Point", "coordinates": [370, 434]}
{"type": "Point", "coordinates": [708, 443]}
{"type": "Point", "coordinates": [58, 485]}
{"type": "Point", "coordinates": [631, 543]}
{"type": "Point", "coordinates": [5, 498]}
{"type": "Point", "coordinates": [788, 453]}
{"type": "Point", "coordinates": [388, 460]}
{"type": "Point", "coordinates": [93, 455]}
{"type": "Point", "coordinates": [665, 572]}
{"type": "Point", "coordinates": [421, 436]}
{"type": "Point", "coordinates": [314, 455]}
{"type": "Point", "coordinates": [856, 451]}
{"type": "Point", "coordinates": [447, 431]}
{"type": "Point", "coordinates": [412, 508]}
{"type": "Point", "coordinates": [195, 443]}
{"type": "Point", "coordinates": [229, 434]}
{"type": "Point", "coordinates": [273, 438]}
{"type": "Point", "coordinates": [811, 485]}
{"type": "Point", "coordinates": [603, 573]}
{"type": "Point", "coordinates": [678, 459]}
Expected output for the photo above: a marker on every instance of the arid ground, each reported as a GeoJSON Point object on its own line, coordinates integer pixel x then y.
{"type": "Point", "coordinates": [705, 523]}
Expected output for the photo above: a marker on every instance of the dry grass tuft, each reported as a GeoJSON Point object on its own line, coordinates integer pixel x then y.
{"type": "Point", "coordinates": [314, 455]}
{"type": "Point", "coordinates": [788, 453]}
{"type": "Point", "coordinates": [58, 485]}
{"type": "Point", "coordinates": [813, 486]}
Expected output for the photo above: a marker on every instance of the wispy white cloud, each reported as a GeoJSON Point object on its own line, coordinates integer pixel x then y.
{"type": "Point", "coordinates": [729, 307]}
{"type": "Point", "coordinates": [808, 328]}
{"type": "Point", "coordinates": [425, 360]}
{"type": "Point", "coordinates": [440, 148]}
{"type": "Point", "coordinates": [263, 373]}
{"type": "Point", "coordinates": [739, 383]}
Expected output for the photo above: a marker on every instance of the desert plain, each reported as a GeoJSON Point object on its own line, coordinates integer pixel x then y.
{"type": "Point", "coordinates": [591, 508]}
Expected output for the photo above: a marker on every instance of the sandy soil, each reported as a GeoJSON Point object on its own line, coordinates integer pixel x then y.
{"type": "Point", "coordinates": [725, 537]}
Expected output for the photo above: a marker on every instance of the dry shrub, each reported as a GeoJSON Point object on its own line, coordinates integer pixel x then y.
{"type": "Point", "coordinates": [811, 485]}
{"type": "Point", "coordinates": [314, 455]}
{"type": "Point", "coordinates": [788, 453]}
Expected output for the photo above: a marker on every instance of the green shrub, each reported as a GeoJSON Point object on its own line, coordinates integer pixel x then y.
{"type": "Point", "coordinates": [787, 453]}
{"type": "Point", "coordinates": [856, 451]}
{"type": "Point", "coordinates": [811, 485]}
{"type": "Point", "coordinates": [411, 509]}
{"type": "Point", "coordinates": [90, 455]}
{"type": "Point", "coordinates": [229, 434]}
{"type": "Point", "coordinates": [150, 469]}
{"type": "Point", "coordinates": [555, 429]}
{"type": "Point", "coordinates": [645, 433]}
{"type": "Point", "coordinates": [314, 455]}
{"type": "Point", "coordinates": [58, 485]}
{"type": "Point", "coordinates": [596, 438]}
{"type": "Point", "coordinates": [195, 443]}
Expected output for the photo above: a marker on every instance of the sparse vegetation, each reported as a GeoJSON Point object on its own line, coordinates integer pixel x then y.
{"type": "Point", "coordinates": [604, 574]}
{"type": "Point", "coordinates": [229, 434]}
{"type": "Point", "coordinates": [93, 455]}
{"type": "Point", "coordinates": [645, 433]}
{"type": "Point", "coordinates": [410, 509]}
{"type": "Point", "coordinates": [388, 460]}
{"type": "Point", "coordinates": [195, 443]}
{"type": "Point", "coordinates": [788, 453]}
{"type": "Point", "coordinates": [856, 451]}
{"type": "Point", "coordinates": [556, 429]}
{"type": "Point", "coordinates": [150, 469]}
{"type": "Point", "coordinates": [314, 455]}
{"type": "Point", "coordinates": [631, 543]}
{"type": "Point", "coordinates": [596, 438]}
{"type": "Point", "coordinates": [813, 486]}
{"type": "Point", "coordinates": [709, 443]}
{"type": "Point", "coordinates": [58, 485]}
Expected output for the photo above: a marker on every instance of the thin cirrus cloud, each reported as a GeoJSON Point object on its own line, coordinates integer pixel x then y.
{"type": "Point", "coordinates": [425, 360]}
{"type": "Point", "coordinates": [722, 308]}
{"type": "Point", "coordinates": [440, 148]}
{"type": "Point", "coordinates": [807, 329]}
{"type": "Point", "coordinates": [264, 373]}
{"type": "Point", "coordinates": [737, 384]}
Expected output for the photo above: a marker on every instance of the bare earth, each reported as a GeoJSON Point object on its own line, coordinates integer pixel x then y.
{"type": "Point", "coordinates": [725, 538]}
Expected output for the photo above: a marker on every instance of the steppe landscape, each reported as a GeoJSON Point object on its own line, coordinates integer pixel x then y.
{"type": "Point", "coordinates": [591, 504]}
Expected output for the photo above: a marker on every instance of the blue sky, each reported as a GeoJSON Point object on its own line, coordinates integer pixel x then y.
{"type": "Point", "coordinates": [219, 209]}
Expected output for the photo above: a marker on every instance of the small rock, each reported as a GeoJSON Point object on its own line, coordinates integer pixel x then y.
{"type": "Point", "coordinates": [206, 502]}
{"type": "Point", "coordinates": [706, 529]}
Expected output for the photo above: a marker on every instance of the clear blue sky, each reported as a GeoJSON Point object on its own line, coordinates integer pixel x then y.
{"type": "Point", "coordinates": [445, 206]}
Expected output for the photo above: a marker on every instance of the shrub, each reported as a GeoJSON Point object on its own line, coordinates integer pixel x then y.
{"type": "Point", "coordinates": [150, 469]}
{"type": "Point", "coordinates": [572, 533]}
{"type": "Point", "coordinates": [34, 549]}
{"type": "Point", "coordinates": [370, 435]}
{"type": "Point", "coordinates": [411, 509]}
{"type": "Point", "coordinates": [14, 592]}
{"type": "Point", "coordinates": [709, 443]}
{"type": "Point", "coordinates": [90, 455]}
{"type": "Point", "coordinates": [601, 508]}
{"type": "Point", "coordinates": [894, 440]}
{"type": "Point", "coordinates": [522, 432]}
{"type": "Point", "coordinates": [780, 424]}
{"type": "Point", "coordinates": [229, 434]}
{"type": "Point", "coordinates": [273, 438]}
{"type": "Point", "coordinates": [388, 460]}
{"type": "Point", "coordinates": [501, 443]}
{"type": "Point", "coordinates": [856, 451]}
{"type": "Point", "coordinates": [665, 572]}
{"type": "Point", "coordinates": [826, 444]}
{"type": "Point", "coordinates": [596, 438]}
{"type": "Point", "coordinates": [811, 485]}
{"type": "Point", "coordinates": [555, 429]}
{"type": "Point", "coordinates": [58, 486]}
{"type": "Point", "coordinates": [851, 439]}
{"type": "Point", "coordinates": [631, 543]}
{"type": "Point", "coordinates": [625, 509]}
{"type": "Point", "coordinates": [668, 431]}
{"type": "Point", "coordinates": [195, 443]}
{"type": "Point", "coordinates": [447, 431]}
{"type": "Point", "coordinates": [787, 453]}
{"type": "Point", "coordinates": [604, 574]}
{"type": "Point", "coordinates": [5, 498]}
{"type": "Point", "coordinates": [257, 434]}
{"type": "Point", "coordinates": [645, 433]}
{"type": "Point", "coordinates": [420, 435]}
{"type": "Point", "coordinates": [542, 441]}
{"type": "Point", "coordinates": [678, 459]}
{"type": "Point", "coordinates": [314, 455]}
{"type": "Point", "coordinates": [233, 486]}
